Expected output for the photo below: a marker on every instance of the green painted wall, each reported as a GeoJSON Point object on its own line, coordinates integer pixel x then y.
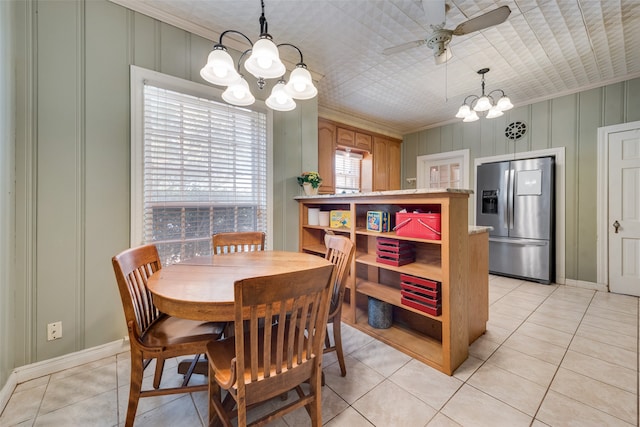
{"type": "Point", "coordinates": [569, 121]}
{"type": "Point", "coordinates": [7, 192]}
{"type": "Point", "coordinates": [72, 164]}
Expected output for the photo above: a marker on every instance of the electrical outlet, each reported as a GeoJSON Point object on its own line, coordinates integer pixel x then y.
{"type": "Point", "coordinates": [54, 331]}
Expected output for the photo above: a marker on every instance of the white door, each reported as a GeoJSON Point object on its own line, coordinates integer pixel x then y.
{"type": "Point", "coordinates": [624, 212]}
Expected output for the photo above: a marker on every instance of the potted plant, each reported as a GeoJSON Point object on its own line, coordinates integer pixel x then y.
{"type": "Point", "coordinates": [310, 181]}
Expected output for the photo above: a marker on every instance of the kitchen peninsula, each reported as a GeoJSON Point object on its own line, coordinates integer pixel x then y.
{"type": "Point", "coordinates": [451, 268]}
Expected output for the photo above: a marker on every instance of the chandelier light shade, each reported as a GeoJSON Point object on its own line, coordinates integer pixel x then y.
{"type": "Point", "coordinates": [220, 69]}
{"type": "Point", "coordinates": [300, 85]}
{"type": "Point", "coordinates": [471, 117]}
{"type": "Point", "coordinates": [279, 99]}
{"type": "Point", "coordinates": [474, 104]}
{"type": "Point", "coordinates": [265, 59]}
{"type": "Point", "coordinates": [238, 93]}
{"type": "Point", "coordinates": [263, 62]}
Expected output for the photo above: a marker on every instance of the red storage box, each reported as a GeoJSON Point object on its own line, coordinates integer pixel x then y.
{"type": "Point", "coordinates": [419, 281]}
{"type": "Point", "coordinates": [419, 225]}
{"type": "Point", "coordinates": [431, 302]}
{"type": "Point", "coordinates": [394, 252]}
{"type": "Point", "coordinates": [421, 294]}
{"type": "Point", "coordinates": [434, 311]}
{"type": "Point", "coordinates": [419, 290]}
{"type": "Point", "coordinates": [394, 261]}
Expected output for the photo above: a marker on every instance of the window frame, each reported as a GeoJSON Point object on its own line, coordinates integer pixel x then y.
{"type": "Point", "coordinates": [425, 162]}
{"type": "Point", "coordinates": [138, 77]}
{"type": "Point", "coordinates": [348, 153]}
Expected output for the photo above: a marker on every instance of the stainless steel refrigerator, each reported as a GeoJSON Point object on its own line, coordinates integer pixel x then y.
{"type": "Point", "coordinates": [516, 198]}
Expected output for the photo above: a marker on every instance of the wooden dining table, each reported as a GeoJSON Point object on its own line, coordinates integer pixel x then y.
{"type": "Point", "coordinates": [201, 288]}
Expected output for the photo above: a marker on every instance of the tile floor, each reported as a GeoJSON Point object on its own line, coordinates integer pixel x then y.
{"type": "Point", "coordinates": [552, 356]}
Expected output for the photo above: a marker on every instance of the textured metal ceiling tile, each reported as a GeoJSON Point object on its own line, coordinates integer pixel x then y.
{"type": "Point", "coordinates": [544, 48]}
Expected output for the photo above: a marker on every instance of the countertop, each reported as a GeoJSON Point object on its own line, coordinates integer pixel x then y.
{"type": "Point", "coordinates": [478, 229]}
{"type": "Point", "coordinates": [389, 193]}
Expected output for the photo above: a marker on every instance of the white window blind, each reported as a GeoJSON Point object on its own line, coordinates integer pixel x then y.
{"type": "Point", "coordinates": [205, 171]}
{"type": "Point", "coordinates": [347, 172]}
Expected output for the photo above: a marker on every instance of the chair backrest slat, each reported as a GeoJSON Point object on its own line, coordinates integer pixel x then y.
{"type": "Point", "coordinates": [340, 253]}
{"type": "Point", "coordinates": [133, 268]}
{"type": "Point", "coordinates": [301, 302]}
{"type": "Point", "coordinates": [244, 241]}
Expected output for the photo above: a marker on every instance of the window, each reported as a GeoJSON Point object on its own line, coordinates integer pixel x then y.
{"type": "Point", "coordinates": [347, 173]}
{"type": "Point", "coordinates": [203, 170]}
{"type": "Point", "coordinates": [444, 170]}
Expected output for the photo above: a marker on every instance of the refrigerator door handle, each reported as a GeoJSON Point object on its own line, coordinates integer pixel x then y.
{"type": "Point", "coordinates": [512, 185]}
{"type": "Point", "coordinates": [504, 195]}
{"type": "Point", "coordinates": [519, 242]}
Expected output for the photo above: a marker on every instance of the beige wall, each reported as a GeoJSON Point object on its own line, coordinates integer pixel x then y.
{"type": "Point", "coordinates": [73, 165]}
{"type": "Point", "coordinates": [569, 121]}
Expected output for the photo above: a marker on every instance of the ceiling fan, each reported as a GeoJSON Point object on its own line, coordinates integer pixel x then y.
{"type": "Point", "coordinates": [440, 37]}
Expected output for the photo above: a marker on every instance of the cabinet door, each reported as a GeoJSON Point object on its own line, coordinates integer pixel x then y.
{"type": "Point", "coordinates": [326, 155]}
{"type": "Point", "coordinates": [393, 159]}
{"type": "Point", "coordinates": [386, 164]}
{"type": "Point", "coordinates": [380, 165]}
{"type": "Point", "coordinates": [363, 141]}
{"type": "Point", "coordinates": [346, 137]}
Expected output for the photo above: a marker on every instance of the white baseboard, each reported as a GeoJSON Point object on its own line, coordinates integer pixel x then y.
{"type": "Point", "coordinates": [56, 364]}
{"type": "Point", "coordinates": [587, 285]}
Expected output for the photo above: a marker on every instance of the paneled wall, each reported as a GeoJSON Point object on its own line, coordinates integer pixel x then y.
{"type": "Point", "coordinates": [569, 121]}
{"type": "Point", "coordinates": [73, 162]}
{"type": "Point", "coordinates": [7, 192]}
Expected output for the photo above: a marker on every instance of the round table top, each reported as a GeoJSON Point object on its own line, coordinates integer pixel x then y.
{"type": "Point", "coordinates": [202, 288]}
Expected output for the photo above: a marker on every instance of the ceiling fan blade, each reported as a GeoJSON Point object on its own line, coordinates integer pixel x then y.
{"type": "Point", "coordinates": [402, 47]}
{"type": "Point", "coordinates": [435, 12]}
{"type": "Point", "coordinates": [489, 19]}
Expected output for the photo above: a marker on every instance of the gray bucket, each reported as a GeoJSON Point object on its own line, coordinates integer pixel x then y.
{"type": "Point", "coordinates": [380, 314]}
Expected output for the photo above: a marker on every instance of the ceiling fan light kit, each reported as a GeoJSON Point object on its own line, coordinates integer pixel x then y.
{"type": "Point", "coordinates": [474, 104]}
{"type": "Point", "coordinates": [263, 63]}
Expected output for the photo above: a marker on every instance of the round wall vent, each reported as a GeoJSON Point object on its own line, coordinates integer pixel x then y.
{"type": "Point", "coordinates": [515, 130]}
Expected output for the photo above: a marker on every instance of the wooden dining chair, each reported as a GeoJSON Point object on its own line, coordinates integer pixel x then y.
{"type": "Point", "coordinates": [259, 363]}
{"type": "Point", "coordinates": [242, 241]}
{"type": "Point", "coordinates": [340, 251]}
{"type": "Point", "coordinates": [152, 334]}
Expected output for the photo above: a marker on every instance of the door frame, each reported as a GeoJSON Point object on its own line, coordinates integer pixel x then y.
{"type": "Point", "coordinates": [602, 199]}
{"type": "Point", "coordinates": [560, 199]}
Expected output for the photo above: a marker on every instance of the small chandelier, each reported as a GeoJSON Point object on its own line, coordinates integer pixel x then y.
{"type": "Point", "coordinates": [474, 104]}
{"type": "Point", "coordinates": [263, 63]}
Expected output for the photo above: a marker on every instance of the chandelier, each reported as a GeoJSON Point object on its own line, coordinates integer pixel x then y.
{"type": "Point", "coordinates": [474, 104]}
{"type": "Point", "coordinates": [263, 63]}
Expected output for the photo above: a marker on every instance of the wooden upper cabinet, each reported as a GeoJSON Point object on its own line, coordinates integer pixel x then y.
{"type": "Point", "coordinates": [350, 138]}
{"type": "Point", "coordinates": [386, 164]}
{"type": "Point", "coordinates": [363, 142]}
{"type": "Point", "coordinates": [394, 161]}
{"type": "Point", "coordinates": [380, 169]}
{"type": "Point", "coordinates": [346, 137]}
{"type": "Point", "coordinates": [326, 155]}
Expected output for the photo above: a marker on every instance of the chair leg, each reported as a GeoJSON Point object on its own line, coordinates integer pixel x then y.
{"type": "Point", "coordinates": [337, 339]}
{"type": "Point", "coordinates": [135, 386]}
{"type": "Point", "coordinates": [214, 394]}
{"type": "Point", "coordinates": [315, 406]}
{"type": "Point", "coordinates": [242, 411]}
{"type": "Point", "coordinates": [187, 376]}
{"type": "Point", "coordinates": [158, 375]}
{"type": "Point", "coordinates": [327, 341]}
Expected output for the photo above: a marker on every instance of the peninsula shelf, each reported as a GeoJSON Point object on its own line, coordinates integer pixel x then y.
{"type": "Point", "coordinates": [458, 261]}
